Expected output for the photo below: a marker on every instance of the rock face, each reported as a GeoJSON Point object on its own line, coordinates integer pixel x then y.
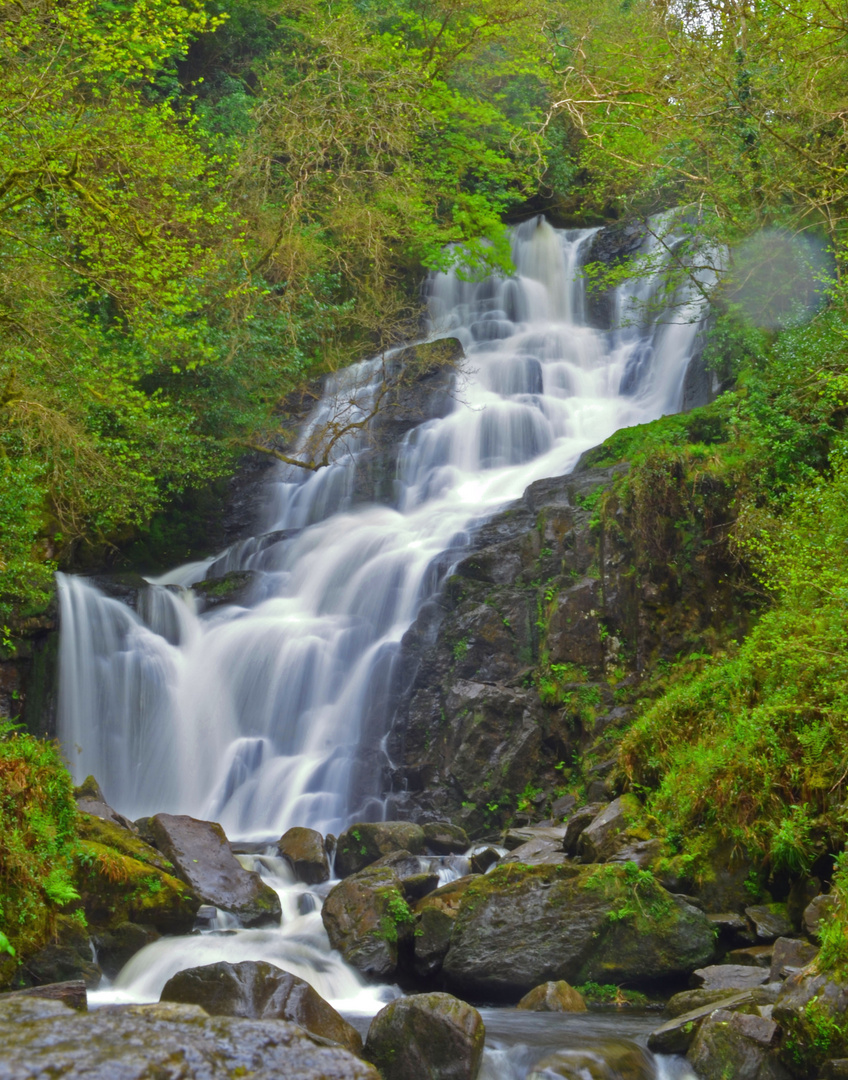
{"type": "Point", "coordinates": [435, 917]}
{"type": "Point", "coordinates": [600, 840]}
{"type": "Point", "coordinates": [365, 842]}
{"type": "Point", "coordinates": [520, 926]}
{"type": "Point", "coordinates": [305, 852]}
{"type": "Point", "coordinates": [542, 601]}
{"type": "Point", "coordinates": [553, 997]}
{"type": "Point", "coordinates": [44, 1038]}
{"type": "Point", "coordinates": [366, 917]}
{"type": "Point", "coordinates": [203, 859]}
{"type": "Point", "coordinates": [426, 1035]}
{"type": "Point", "coordinates": [260, 991]}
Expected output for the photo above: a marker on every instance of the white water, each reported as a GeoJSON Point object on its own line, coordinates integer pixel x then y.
{"type": "Point", "coordinates": [275, 714]}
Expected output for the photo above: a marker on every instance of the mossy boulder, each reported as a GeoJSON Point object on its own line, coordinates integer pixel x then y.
{"type": "Point", "coordinates": [435, 916]}
{"type": "Point", "coordinates": [426, 1035]}
{"type": "Point", "coordinates": [443, 838]}
{"type": "Point", "coordinates": [739, 1045]}
{"type": "Point", "coordinates": [367, 919]}
{"type": "Point", "coordinates": [520, 926]}
{"type": "Point", "coordinates": [553, 997]}
{"type": "Point", "coordinates": [365, 842]}
{"type": "Point", "coordinates": [116, 888]}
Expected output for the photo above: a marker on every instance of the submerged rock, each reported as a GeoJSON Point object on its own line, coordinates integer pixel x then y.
{"type": "Point", "coordinates": [44, 1038]}
{"type": "Point", "coordinates": [427, 1035]}
{"type": "Point", "coordinates": [304, 850]}
{"type": "Point", "coordinates": [203, 859]}
{"type": "Point", "coordinates": [260, 991]}
{"type": "Point", "coordinates": [520, 926]}
{"type": "Point", "coordinates": [616, 1059]}
{"type": "Point", "coordinates": [553, 997]}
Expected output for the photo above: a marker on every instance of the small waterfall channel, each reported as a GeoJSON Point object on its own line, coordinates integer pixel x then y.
{"type": "Point", "coordinates": [274, 712]}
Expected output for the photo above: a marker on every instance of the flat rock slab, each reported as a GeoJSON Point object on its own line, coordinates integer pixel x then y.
{"type": "Point", "coordinates": [552, 834]}
{"type": "Point", "coordinates": [537, 852]}
{"type": "Point", "coordinates": [675, 1036]}
{"type": "Point", "coordinates": [260, 991]}
{"type": "Point", "coordinates": [136, 1042]}
{"type": "Point", "coordinates": [729, 977]}
{"type": "Point", "coordinates": [203, 859]}
{"type": "Point", "coordinates": [769, 921]}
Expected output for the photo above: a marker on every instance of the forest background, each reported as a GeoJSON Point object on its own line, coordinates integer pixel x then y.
{"type": "Point", "coordinates": [205, 205]}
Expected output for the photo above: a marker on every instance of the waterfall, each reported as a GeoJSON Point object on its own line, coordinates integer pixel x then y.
{"type": "Point", "coordinates": [273, 712]}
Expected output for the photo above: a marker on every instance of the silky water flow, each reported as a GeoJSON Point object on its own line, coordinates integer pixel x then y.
{"type": "Point", "coordinates": [273, 713]}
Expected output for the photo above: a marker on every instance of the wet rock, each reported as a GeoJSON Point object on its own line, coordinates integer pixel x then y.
{"type": "Point", "coordinates": [581, 819]}
{"type": "Point", "coordinates": [553, 997]}
{"type": "Point", "coordinates": [689, 1000]}
{"type": "Point", "coordinates": [426, 1035]}
{"type": "Point", "coordinates": [365, 842]}
{"type": "Point", "coordinates": [366, 917]}
{"type": "Point", "coordinates": [538, 852]}
{"type": "Point", "coordinates": [72, 994]}
{"type": "Point", "coordinates": [752, 956]}
{"type": "Point", "coordinates": [597, 842]}
{"type": "Point", "coordinates": [435, 916]}
{"type": "Point", "coordinates": [44, 1038]}
{"type": "Point", "coordinates": [729, 977]}
{"type": "Point", "coordinates": [644, 853]}
{"type": "Point", "coordinates": [90, 800]}
{"type": "Point", "coordinates": [605, 1060]}
{"type": "Point", "coordinates": [118, 944]}
{"type": "Point", "coordinates": [769, 921]}
{"type": "Point", "coordinates": [415, 873]}
{"type": "Point", "coordinates": [675, 1036]}
{"type": "Point", "coordinates": [737, 1045]}
{"type": "Point", "coordinates": [516, 838]}
{"type": "Point", "coordinates": [483, 859]}
{"type": "Point", "coordinates": [811, 1010]}
{"type": "Point", "coordinates": [305, 852]}
{"type": "Point", "coordinates": [521, 926]}
{"type": "Point", "coordinates": [815, 912]}
{"type": "Point", "coordinates": [260, 991]}
{"type": "Point", "coordinates": [66, 958]}
{"type": "Point", "coordinates": [789, 956]}
{"type": "Point", "coordinates": [231, 588]}
{"type": "Point", "coordinates": [203, 859]}
{"type": "Point", "coordinates": [443, 838]}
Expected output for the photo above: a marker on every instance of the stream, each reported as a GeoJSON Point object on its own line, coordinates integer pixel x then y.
{"type": "Point", "coordinates": [271, 713]}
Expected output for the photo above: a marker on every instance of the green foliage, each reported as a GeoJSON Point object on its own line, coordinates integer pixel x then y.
{"type": "Point", "coordinates": [833, 956]}
{"type": "Point", "coordinates": [610, 994]}
{"type": "Point", "coordinates": [38, 819]}
{"type": "Point", "coordinates": [398, 914]}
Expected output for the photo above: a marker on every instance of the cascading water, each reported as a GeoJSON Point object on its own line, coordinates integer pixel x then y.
{"type": "Point", "coordinates": [259, 716]}
{"type": "Point", "coordinates": [273, 713]}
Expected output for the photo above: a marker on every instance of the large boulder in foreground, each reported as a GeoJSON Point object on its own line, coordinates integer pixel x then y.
{"type": "Point", "coordinates": [44, 1038]}
{"type": "Point", "coordinates": [520, 926]}
{"type": "Point", "coordinates": [203, 859]}
{"type": "Point", "coordinates": [426, 1035]}
{"type": "Point", "coordinates": [367, 841]}
{"type": "Point", "coordinates": [366, 917]}
{"type": "Point", "coordinates": [260, 991]}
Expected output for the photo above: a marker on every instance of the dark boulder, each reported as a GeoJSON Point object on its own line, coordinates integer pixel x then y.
{"type": "Point", "coordinates": [426, 1035]}
{"type": "Point", "coordinates": [739, 1045]}
{"type": "Point", "coordinates": [366, 918]}
{"type": "Point", "coordinates": [443, 838]}
{"type": "Point", "coordinates": [366, 841]}
{"type": "Point", "coordinates": [260, 991]}
{"type": "Point", "coordinates": [520, 926]}
{"type": "Point", "coordinates": [203, 859]}
{"type": "Point", "coordinates": [435, 916]}
{"type": "Point", "coordinates": [306, 853]}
